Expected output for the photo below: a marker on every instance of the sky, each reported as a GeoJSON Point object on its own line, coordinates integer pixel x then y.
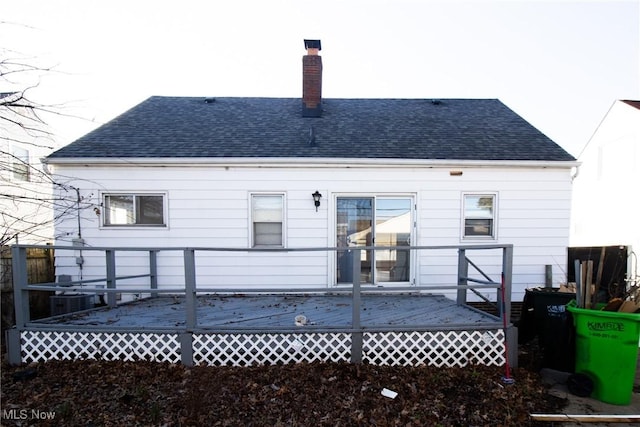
{"type": "Point", "coordinates": [559, 64]}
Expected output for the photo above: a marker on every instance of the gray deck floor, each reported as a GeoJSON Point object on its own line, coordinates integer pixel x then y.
{"type": "Point", "coordinates": [281, 310]}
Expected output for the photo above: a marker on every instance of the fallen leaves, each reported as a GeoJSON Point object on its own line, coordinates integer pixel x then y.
{"type": "Point", "coordinates": [103, 393]}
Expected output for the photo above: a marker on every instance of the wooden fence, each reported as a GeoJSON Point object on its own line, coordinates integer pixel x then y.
{"type": "Point", "coordinates": [40, 269]}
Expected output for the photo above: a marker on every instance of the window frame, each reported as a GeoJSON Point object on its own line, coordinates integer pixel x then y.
{"type": "Point", "coordinates": [494, 217]}
{"type": "Point", "coordinates": [20, 166]}
{"type": "Point", "coordinates": [135, 195]}
{"type": "Point", "coordinates": [252, 233]}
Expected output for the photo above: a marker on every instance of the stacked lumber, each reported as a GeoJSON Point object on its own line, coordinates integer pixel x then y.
{"type": "Point", "coordinates": [587, 290]}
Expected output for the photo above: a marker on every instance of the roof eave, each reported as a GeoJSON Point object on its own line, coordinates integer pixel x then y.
{"type": "Point", "coordinates": [303, 162]}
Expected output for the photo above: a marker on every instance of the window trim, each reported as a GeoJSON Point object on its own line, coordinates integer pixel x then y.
{"type": "Point", "coordinates": [165, 209]}
{"type": "Point", "coordinates": [18, 162]}
{"type": "Point", "coordinates": [494, 218]}
{"type": "Point", "coordinates": [283, 196]}
{"type": "Point", "coordinates": [376, 196]}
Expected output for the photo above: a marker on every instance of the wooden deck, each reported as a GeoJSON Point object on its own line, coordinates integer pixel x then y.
{"type": "Point", "coordinates": [191, 323]}
{"type": "Point", "coordinates": [280, 311]}
{"type": "Point", "coordinates": [242, 330]}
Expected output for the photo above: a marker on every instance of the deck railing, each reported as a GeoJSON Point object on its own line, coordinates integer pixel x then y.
{"type": "Point", "coordinates": [109, 285]}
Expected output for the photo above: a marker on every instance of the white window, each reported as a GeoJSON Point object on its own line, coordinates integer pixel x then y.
{"type": "Point", "coordinates": [134, 210]}
{"type": "Point", "coordinates": [20, 163]}
{"type": "Point", "coordinates": [479, 215]}
{"type": "Point", "coordinates": [267, 214]}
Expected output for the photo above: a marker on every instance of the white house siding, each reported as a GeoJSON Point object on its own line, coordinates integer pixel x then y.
{"type": "Point", "coordinates": [209, 207]}
{"type": "Point", "coordinates": [533, 215]}
{"type": "Point", "coordinates": [605, 207]}
{"type": "Point", "coordinates": [25, 206]}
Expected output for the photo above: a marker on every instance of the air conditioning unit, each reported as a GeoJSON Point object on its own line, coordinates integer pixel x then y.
{"type": "Point", "coordinates": [68, 303]}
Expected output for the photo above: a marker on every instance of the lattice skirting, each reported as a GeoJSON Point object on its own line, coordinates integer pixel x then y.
{"type": "Point", "coordinates": [40, 346]}
{"type": "Point", "coordinates": [439, 348]}
{"type": "Point", "coordinates": [270, 349]}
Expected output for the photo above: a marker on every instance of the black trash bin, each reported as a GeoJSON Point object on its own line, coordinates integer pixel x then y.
{"type": "Point", "coordinates": [545, 317]}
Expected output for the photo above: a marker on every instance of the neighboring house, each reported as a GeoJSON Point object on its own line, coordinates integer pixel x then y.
{"type": "Point", "coordinates": [240, 172]}
{"type": "Point", "coordinates": [604, 211]}
{"type": "Point", "coordinates": [26, 207]}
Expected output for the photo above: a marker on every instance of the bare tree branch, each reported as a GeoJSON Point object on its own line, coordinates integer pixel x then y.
{"type": "Point", "coordinates": [28, 208]}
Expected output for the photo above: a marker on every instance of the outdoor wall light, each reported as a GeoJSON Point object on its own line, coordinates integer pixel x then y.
{"type": "Point", "coordinates": [316, 199]}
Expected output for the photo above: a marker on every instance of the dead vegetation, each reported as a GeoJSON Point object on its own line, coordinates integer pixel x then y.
{"type": "Point", "coordinates": [100, 393]}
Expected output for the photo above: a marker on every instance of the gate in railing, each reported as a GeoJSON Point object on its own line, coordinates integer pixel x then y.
{"type": "Point", "coordinates": [191, 342]}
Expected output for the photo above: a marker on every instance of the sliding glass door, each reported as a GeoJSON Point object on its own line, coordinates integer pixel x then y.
{"type": "Point", "coordinates": [354, 228]}
{"type": "Point", "coordinates": [374, 221]}
{"type": "Point", "coordinates": [393, 228]}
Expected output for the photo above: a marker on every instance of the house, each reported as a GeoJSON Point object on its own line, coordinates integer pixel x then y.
{"type": "Point", "coordinates": [605, 187]}
{"type": "Point", "coordinates": [26, 213]}
{"type": "Point", "coordinates": [322, 173]}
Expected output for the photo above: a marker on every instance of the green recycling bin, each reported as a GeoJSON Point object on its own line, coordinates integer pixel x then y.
{"type": "Point", "coordinates": [607, 351]}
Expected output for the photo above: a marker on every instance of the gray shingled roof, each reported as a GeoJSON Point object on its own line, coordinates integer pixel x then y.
{"type": "Point", "coordinates": [455, 129]}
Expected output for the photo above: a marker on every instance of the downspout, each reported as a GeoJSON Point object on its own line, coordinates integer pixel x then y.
{"type": "Point", "coordinates": [576, 173]}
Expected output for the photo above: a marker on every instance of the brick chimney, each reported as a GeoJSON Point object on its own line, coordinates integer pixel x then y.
{"type": "Point", "coordinates": [312, 80]}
